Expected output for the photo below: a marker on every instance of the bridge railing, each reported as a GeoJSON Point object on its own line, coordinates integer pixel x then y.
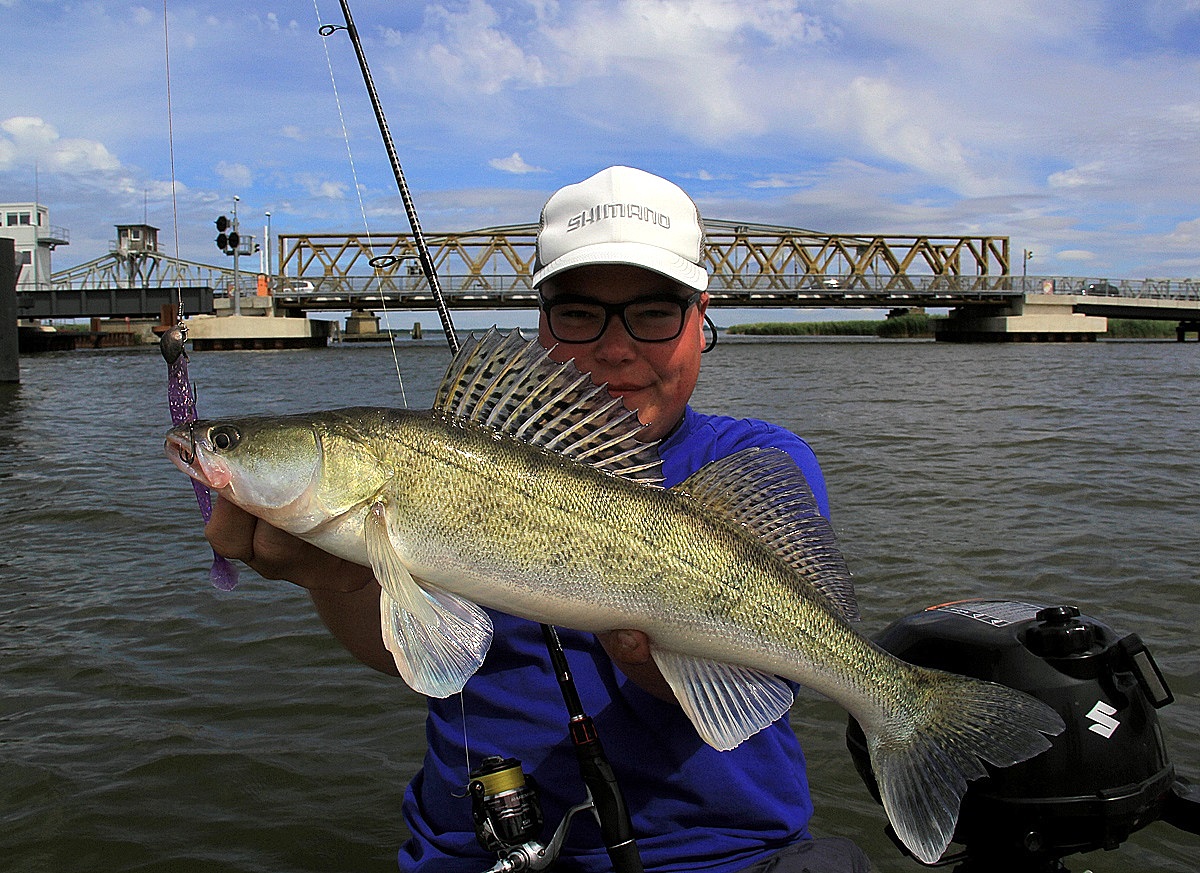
{"type": "Point", "coordinates": [966, 286]}
{"type": "Point", "coordinates": [310, 287]}
{"type": "Point", "coordinates": [516, 289]}
{"type": "Point", "coordinates": [881, 283]}
{"type": "Point", "coordinates": [1149, 289]}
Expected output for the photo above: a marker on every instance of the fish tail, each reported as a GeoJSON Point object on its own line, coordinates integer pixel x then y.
{"type": "Point", "coordinates": [923, 756]}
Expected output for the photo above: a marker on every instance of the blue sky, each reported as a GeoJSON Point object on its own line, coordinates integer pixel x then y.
{"type": "Point", "coordinates": [1071, 127]}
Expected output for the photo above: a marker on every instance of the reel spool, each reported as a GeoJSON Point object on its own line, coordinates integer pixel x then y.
{"type": "Point", "coordinates": [504, 805]}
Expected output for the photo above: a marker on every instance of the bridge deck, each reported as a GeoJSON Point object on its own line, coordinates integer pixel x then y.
{"type": "Point", "coordinates": [465, 293]}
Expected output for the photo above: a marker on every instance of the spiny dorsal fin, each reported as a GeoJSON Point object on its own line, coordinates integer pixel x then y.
{"type": "Point", "coordinates": [509, 384]}
{"type": "Point", "coordinates": [763, 489]}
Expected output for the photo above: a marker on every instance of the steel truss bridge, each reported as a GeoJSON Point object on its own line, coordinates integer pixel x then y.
{"type": "Point", "coordinates": [752, 265]}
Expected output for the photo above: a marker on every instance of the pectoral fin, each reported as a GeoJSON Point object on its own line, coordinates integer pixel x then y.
{"type": "Point", "coordinates": [436, 659]}
{"type": "Point", "coordinates": [727, 704]}
{"type": "Point", "coordinates": [437, 639]}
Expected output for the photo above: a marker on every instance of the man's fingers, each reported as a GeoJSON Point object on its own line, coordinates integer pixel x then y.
{"type": "Point", "coordinates": [230, 531]}
{"type": "Point", "coordinates": [626, 646]}
{"type": "Point", "coordinates": [276, 554]}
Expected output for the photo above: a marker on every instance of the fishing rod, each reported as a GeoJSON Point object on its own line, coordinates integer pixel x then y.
{"type": "Point", "coordinates": [604, 794]}
{"type": "Point", "coordinates": [427, 266]}
{"type": "Point", "coordinates": [181, 393]}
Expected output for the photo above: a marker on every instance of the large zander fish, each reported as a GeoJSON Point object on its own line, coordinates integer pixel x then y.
{"type": "Point", "coordinates": [526, 489]}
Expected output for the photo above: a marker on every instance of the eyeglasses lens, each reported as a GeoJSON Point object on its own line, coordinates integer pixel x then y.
{"type": "Point", "coordinates": [645, 320]}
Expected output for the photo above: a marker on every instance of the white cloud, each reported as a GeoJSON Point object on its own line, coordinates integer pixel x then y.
{"type": "Point", "coordinates": [1185, 235]}
{"type": "Point", "coordinates": [690, 65]}
{"type": "Point", "coordinates": [235, 174]}
{"type": "Point", "coordinates": [514, 163]}
{"type": "Point", "coordinates": [322, 188]}
{"type": "Point", "coordinates": [1075, 255]}
{"type": "Point", "coordinates": [1078, 177]}
{"type": "Point", "coordinates": [26, 140]}
{"type": "Point", "coordinates": [466, 51]}
{"type": "Point", "coordinates": [897, 122]}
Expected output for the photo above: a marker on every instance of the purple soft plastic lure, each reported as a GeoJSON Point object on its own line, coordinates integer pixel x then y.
{"type": "Point", "coordinates": [182, 402]}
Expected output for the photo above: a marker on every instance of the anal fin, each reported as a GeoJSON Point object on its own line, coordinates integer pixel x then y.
{"type": "Point", "coordinates": [727, 704]}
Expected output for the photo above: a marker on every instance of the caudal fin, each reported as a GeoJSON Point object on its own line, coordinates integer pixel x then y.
{"type": "Point", "coordinates": [924, 757]}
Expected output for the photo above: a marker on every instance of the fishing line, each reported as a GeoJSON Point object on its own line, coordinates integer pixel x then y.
{"type": "Point", "coordinates": [171, 158]}
{"type": "Point", "coordinates": [181, 393]}
{"type": "Point", "coordinates": [325, 30]}
{"type": "Point", "coordinates": [605, 797]}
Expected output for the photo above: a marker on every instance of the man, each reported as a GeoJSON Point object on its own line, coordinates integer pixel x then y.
{"type": "Point", "coordinates": [623, 292]}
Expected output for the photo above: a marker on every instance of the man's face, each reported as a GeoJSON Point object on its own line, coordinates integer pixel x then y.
{"type": "Point", "coordinates": [656, 379]}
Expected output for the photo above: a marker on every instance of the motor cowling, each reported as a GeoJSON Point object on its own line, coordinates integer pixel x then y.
{"type": "Point", "coordinates": [1104, 777]}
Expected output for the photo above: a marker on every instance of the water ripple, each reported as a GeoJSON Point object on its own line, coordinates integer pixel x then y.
{"type": "Point", "coordinates": [150, 723]}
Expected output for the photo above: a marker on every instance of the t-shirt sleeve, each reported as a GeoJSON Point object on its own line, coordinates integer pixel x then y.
{"type": "Point", "coordinates": [765, 435]}
{"type": "Point", "coordinates": [704, 438]}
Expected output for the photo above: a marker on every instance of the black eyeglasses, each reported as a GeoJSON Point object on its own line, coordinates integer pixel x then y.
{"type": "Point", "coordinates": [656, 319]}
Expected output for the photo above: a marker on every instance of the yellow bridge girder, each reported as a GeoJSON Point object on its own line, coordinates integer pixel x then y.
{"type": "Point", "coordinates": [501, 259]}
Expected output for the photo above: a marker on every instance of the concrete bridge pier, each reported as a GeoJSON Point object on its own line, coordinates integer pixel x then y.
{"type": "Point", "coordinates": [1031, 318]}
{"type": "Point", "coordinates": [220, 333]}
{"type": "Point", "coordinates": [360, 322]}
{"type": "Point", "coordinates": [10, 365]}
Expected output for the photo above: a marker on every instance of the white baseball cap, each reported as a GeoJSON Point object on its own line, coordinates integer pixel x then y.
{"type": "Point", "coordinates": [622, 216]}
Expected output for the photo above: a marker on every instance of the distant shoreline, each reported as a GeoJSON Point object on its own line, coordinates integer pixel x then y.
{"type": "Point", "coordinates": [921, 326]}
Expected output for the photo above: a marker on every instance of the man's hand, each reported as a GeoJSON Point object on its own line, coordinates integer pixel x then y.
{"type": "Point", "coordinates": [630, 651]}
{"type": "Point", "coordinates": [276, 554]}
{"type": "Point", "coordinates": [345, 594]}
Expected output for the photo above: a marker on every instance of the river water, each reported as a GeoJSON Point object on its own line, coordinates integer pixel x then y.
{"type": "Point", "coordinates": [151, 723]}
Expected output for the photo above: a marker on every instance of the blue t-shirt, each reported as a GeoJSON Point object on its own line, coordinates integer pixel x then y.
{"type": "Point", "coordinates": [692, 807]}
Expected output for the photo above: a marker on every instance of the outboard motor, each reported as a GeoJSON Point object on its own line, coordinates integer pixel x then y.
{"type": "Point", "coordinates": [1106, 776]}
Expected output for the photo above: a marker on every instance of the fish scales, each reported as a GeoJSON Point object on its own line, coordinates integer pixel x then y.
{"type": "Point", "coordinates": [547, 509]}
{"type": "Point", "coordinates": [529, 532]}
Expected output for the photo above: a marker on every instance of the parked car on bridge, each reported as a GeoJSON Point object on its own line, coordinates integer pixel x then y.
{"type": "Point", "coordinates": [1102, 289]}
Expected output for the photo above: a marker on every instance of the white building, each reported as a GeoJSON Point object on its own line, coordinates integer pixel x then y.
{"type": "Point", "coordinates": [28, 225]}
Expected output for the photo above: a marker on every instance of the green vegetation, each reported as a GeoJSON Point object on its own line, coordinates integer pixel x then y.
{"type": "Point", "coordinates": [1139, 328]}
{"type": "Point", "coordinates": [915, 325]}
{"type": "Point", "coordinates": [918, 325]}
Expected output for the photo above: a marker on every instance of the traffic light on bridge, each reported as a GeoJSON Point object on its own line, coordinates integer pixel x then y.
{"type": "Point", "coordinates": [226, 242]}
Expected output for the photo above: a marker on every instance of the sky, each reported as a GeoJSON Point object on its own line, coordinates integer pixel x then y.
{"type": "Point", "coordinates": [1071, 127]}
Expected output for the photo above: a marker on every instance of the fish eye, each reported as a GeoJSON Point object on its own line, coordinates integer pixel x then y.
{"type": "Point", "coordinates": [224, 437]}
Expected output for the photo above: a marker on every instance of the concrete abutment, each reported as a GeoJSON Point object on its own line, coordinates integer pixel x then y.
{"type": "Point", "coordinates": [1032, 318]}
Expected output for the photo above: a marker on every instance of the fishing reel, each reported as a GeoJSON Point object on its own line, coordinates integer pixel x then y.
{"type": "Point", "coordinates": [508, 816]}
{"type": "Point", "coordinates": [1105, 777]}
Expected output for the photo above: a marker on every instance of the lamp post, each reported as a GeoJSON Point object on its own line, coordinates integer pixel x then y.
{"type": "Point", "coordinates": [1026, 254]}
{"type": "Point", "coordinates": [237, 290]}
{"type": "Point", "coordinates": [267, 247]}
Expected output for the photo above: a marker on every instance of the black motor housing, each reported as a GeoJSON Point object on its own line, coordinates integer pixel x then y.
{"type": "Point", "coordinates": [1105, 776]}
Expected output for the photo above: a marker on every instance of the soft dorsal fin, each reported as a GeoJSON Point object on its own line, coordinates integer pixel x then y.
{"type": "Point", "coordinates": [510, 384]}
{"type": "Point", "coordinates": [763, 489]}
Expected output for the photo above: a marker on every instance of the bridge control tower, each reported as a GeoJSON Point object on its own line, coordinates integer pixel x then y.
{"type": "Point", "coordinates": [136, 247]}
{"type": "Point", "coordinates": [34, 237]}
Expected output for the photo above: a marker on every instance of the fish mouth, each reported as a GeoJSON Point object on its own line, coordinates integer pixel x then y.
{"type": "Point", "coordinates": [182, 449]}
